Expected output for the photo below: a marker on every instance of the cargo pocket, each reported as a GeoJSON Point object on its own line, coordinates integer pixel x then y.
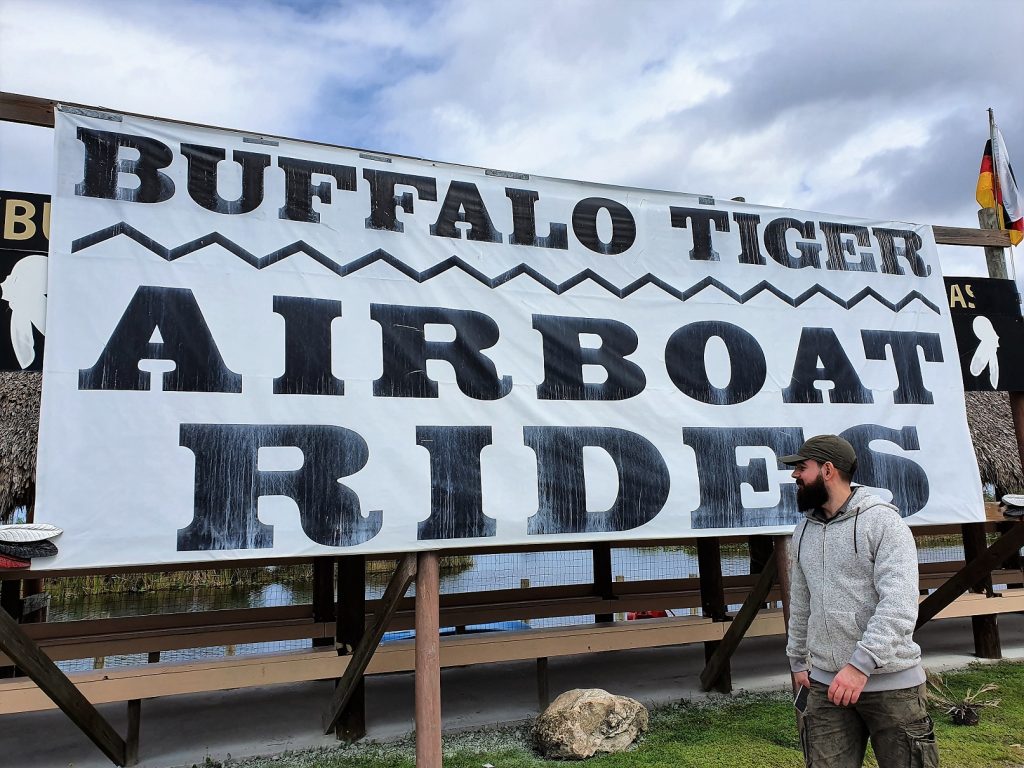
{"type": "Point", "coordinates": [924, 752]}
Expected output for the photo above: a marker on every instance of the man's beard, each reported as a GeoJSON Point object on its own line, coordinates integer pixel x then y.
{"type": "Point", "coordinates": [811, 495]}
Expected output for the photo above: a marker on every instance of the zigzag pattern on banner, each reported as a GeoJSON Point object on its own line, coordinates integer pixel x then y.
{"type": "Point", "coordinates": [454, 262]}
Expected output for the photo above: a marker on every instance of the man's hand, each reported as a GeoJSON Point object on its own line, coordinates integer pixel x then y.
{"type": "Point", "coordinates": [846, 686]}
{"type": "Point", "coordinates": [802, 679]}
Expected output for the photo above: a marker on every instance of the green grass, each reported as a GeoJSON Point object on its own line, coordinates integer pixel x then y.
{"type": "Point", "coordinates": [749, 730]}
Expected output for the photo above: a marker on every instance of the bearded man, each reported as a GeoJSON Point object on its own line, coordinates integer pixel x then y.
{"type": "Point", "coordinates": [853, 608]}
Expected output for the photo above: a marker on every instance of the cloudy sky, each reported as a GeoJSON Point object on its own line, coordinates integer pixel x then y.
{"type": "Point", "coordinates": [872, 109]}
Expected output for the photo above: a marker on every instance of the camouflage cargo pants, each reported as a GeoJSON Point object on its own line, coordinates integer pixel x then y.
{"type": "Point", "coordinates": [897, 723]}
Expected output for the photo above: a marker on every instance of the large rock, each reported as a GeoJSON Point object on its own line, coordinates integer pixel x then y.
{"type": "Point", "coordinates": [582, 722]}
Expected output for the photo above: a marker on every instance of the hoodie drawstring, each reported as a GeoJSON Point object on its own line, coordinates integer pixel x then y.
{"type": "Point", "coordinates": [856, 519]}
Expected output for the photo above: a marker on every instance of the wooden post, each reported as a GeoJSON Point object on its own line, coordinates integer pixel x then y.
{"type": "Point", "coordinates": [323, 595]}
{"type": "Point", "coordinates": [10, 601]}
{"type": "Point", "coordinates": [760, 550]}
{"type": "Point", "coordinates": [428, 662]}
{"type": "Point", "coordinates": [44, 673]}
{"type": "Point", "coordinates": [350, 628]}
{"type": "Point", "coordinates": [782, 575]}
{"type": "Point", "coordinates": [131, 752]}
{"type": "Point", "coordinates": [543, 689]}
{"type": "Point", "coordinates": [602, 555]}
{"type": "Point", "coordinates": [368, 644]}
{"type": "Point", "coordinates": [712, 601]}
{"type": "Point", "coordinates": [986, 628]}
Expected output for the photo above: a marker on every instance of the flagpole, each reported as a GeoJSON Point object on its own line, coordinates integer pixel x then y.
{"type": "Point", "coordinates": [996, 189]}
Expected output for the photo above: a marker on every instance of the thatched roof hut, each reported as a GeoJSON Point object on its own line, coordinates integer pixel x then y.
{"type": "Point", "coordinates": [19, 430]}
{"type": "Point", "coordinates": [995, 444]}
{"type": "Point", "coordinates": [988, 414]}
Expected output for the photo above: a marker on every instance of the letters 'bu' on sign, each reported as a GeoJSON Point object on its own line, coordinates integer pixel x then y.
{"type": "Point", "coordinates": [267, 348]}
{"type": "Point", "coordinates": [24, 242]}
{"type": "Point", "coordinates": [989, 333]}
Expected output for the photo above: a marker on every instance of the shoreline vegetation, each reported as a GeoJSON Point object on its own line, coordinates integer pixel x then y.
{"type": "Point", "coordinates": [300, 574]}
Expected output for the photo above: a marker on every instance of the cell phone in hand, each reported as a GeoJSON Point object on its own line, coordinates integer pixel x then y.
{"type": "Point", "coordinates": [800, 702]}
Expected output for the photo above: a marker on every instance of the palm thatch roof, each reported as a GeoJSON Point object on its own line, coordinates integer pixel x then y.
{"type": "Point", "coordinates": [988, 415]}
{"type": "Point", "coordinates": [19, 430]}
{"type": "Point", "coordinates": [995, 443]}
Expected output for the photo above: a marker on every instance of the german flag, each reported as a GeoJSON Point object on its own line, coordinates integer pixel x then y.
{"type": "Point", "coordinates": [1006, 197]}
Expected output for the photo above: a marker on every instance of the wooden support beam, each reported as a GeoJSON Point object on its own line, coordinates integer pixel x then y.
{"type": "Point", "coordinates": [29, 110]}
{"type": "Point", "coordinates": [45, 674]}
{"type": "Point", "coordinates": [367, 645]}
{"type": "Point", "coordinates": [131, 756]}
{"type": "Point", "coordinates": [971, 573]}
{"type": "Point", "coordinates": [712, 602]}
{"type": "Point", "coordinates": [985, 628]}
{"type": "Point", "coordinates": [543, 687]}
{"type": "Point", "coordinates": [323, 595]}
{"type": "Point", "coordinates": [970, 236]}
{"type": "Point", "coordinates": [604, 587]}
{"type": "Point", "coordinates": [718, 664]}
{"type": "Point", "coordinates": [428, 661]}
{"type": "Point", "coordinates": [351, 627]}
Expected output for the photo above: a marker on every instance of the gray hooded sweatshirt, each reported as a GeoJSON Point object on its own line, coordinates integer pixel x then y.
{"type": "Point", "coordinates": [854, 595]}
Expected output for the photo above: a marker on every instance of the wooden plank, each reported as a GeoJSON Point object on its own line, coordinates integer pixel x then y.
{"type": "Point", "coordinates": [29, 110]}
{"type": "Point", "coordinates": [364, 650]}
{"type": "Point", "coordinates": [54, 684]}
{"type": "Point", "coordinates": [1009, 542]}
{"type": "Point", "coordinates": [718, 663]}
{"type": "Point", "coordinates": [1007, 601]}
{"type": "Point", "coordinates": [971, 236]}
{"type": "Point", "coordinates": [427, 687]}
{"type": "Point", "coordinates": [154, 641]}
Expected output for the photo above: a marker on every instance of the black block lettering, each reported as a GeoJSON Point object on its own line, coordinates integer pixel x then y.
{"type": "Point", "coordinates": [187, 342]}
{"type": "Point", "coordinates": [701, 220]}
{"type": "Point", "coordinates": [821, 345]}
{"type": "Point", "coordinates": [721, 476]}
{"type": "Point", "coordinates": [299, 190]}
{"type": "Point", "coordinates": [524, 222]}
{"type": "Point", "coordinates": [463, 205]}
{"type": "Point", "coordinates": [687, 367]}
{"type": "Point", "coordinates": [584, 225]}
{"type": "Point", "coordinates": [102, 167]}
{"type": "Point", "coordinates": [307, 346]}
{"type": "Point", "coordinates": [384, 201]}
{"type": "Point", "coordinates": [902, 476]}
{"type": "Point", "coordinates": [775, 243]}
{"type": "Point", "coordinates": [202, 178]}
{"type": "Point", "coordinates": [406, 351]}
{"type": "Point", "coordinates": [564, 359]}
{"type": "Point", "coordinates": [456, 491]}
{"type": "Point", "coordinates": [228, 485]}
{"type": "Point", "coordinates": [642, 473]}
{"type": "Point", "coordinates": [904, 346]}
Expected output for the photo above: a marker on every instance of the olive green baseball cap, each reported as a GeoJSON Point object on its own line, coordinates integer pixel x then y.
{"type": "Point", "coordinates": [822, 448]}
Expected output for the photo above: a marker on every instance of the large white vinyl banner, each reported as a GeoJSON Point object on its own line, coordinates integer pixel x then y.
{"type": "Point", "coordinates": [266, 348]}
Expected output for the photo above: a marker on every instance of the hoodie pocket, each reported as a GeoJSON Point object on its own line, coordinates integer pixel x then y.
{"type": "Point", "coordinates": [844, 632]}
